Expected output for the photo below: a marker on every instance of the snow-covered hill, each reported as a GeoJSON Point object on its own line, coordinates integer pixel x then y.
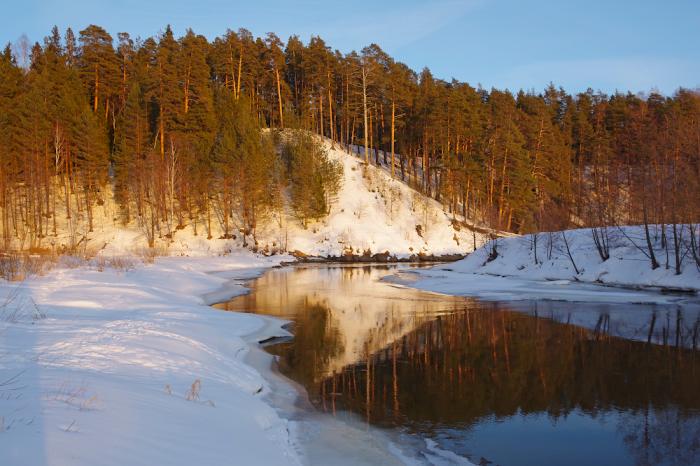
{"type": "Point", "coordinates": [374, 214]}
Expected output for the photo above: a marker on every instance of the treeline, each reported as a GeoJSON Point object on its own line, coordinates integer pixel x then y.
{"type": "Point", "coordinates": [171, 125]}
{"type": "Point", "coordinates": [145, 124]}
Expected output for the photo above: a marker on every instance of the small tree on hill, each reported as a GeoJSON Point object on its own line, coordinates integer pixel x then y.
{"type": "Point", "coordinates": [313, 178]}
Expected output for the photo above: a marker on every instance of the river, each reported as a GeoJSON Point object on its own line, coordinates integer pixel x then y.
{"type": "Point", "coordinates": [503, 383]}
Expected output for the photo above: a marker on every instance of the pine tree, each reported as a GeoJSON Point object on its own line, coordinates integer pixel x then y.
{"type": "Point", "coordinates": [147, 110]}
{"type": "Point", "coordinates": [11, 81]}
{"type": "Point", "coordinates": [195, 133]}
{"type": "Point", "coordinates": [131, 155]}
{"type": "Point", "coordinates": [276, 62]}
{"type": "Point", "coordinates": [313, 178]}
{"type": "Point", "coordinates": [98, 66]}
{"type": "Point", "coordinates": [244, 164]}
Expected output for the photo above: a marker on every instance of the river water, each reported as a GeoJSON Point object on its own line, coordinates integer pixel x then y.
{"type": "Point", "coordinates": [525, 383]}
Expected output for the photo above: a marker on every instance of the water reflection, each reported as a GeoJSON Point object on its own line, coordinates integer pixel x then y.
{"type": "Point", "coordinates": [340, 313]}
{"type": "Point", "coordinates": [491, 382]}
{"type": "Point", "coordinates": [662, 324]}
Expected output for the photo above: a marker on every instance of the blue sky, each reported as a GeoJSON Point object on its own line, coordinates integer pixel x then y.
{"type": "Point", "coordinates": [615, 44]}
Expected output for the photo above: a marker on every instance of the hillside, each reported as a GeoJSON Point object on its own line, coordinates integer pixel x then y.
{"type": "Point", "coordinates": [372, 214]}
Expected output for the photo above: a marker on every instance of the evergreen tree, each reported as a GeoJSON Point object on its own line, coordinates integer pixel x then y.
{"type": "Point", "coordinates": [98, 66]}
{"type": "Point", "coordinates": [244, 164]}
{"type": "Point", "coordinates": [314, 179]}
{"type": "Point", "coordinates": [77, 123]}
{"type": "Point", "coordinates": [131, 155]}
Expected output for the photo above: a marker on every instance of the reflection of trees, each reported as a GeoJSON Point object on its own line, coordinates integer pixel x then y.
{"type": "Point", "coordinates": [677, 326]}
{"type": "Point", "coordinates": [316, 341]}
{"type": "Point", "coordinates": [459, 368]}
{"type": "Point", "coordinates": [412, 369]}
{"type": "Point", "coordinates": [364, 314]}
{"type": "Point", "coordinates": [672, 329]}
{"type": "Point", "coordinates": [664, 436]}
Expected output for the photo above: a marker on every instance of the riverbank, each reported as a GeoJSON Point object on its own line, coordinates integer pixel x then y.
{"type": "Point", "coordinates": [369, 258]}
{"type": "Point", "coordinates": [112, 367]}
{"type": "Point", "coordinates": [105, 366]}
{"type": "Point", "coordinates": [567, 266]}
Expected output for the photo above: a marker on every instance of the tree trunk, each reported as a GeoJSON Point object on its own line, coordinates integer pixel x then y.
{"type": "Point", "coordinates": [393, 118]}
{"type": "Point", "coordinates": [279, 97]}
{"type": "Point", "coordinates": [320, 117]}
{"type": "Point", "coordinates": [97, 89]}
{"type": "Point", "coordinates": [364, 111]}
{"type": "Point", "coordinates": [187, 89]}
{"type": "Point", "coordinates": [331, 129]}
{"type": "Point", "coordinates": [240, 70]}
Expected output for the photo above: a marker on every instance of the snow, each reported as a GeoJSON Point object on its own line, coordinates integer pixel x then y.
{"type": "Point", "coordinates": [133, 367]}
{"type": "Point", "coordinates": [513, 274]}
{"type": "Point", "coordinates": [373, 212]}
{"type": "Point", "coordinates": [443, 457]}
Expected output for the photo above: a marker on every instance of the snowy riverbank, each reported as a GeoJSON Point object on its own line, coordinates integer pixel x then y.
{"type": "Point", "coordinates": [133, 367]}
{"type": "Point", "coordinates": [573, 273]}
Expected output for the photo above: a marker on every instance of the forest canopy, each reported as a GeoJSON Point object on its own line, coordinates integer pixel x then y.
{"type": "Point", "coordinates": [171, 128]}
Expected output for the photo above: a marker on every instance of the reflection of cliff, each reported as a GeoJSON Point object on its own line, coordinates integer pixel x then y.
{"type": "Point", "coordinates": [345, 307]}
{"type": "Point", "coordinates": [460, 368]}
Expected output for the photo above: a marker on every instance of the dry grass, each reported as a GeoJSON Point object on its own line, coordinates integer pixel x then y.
{"type": "Point", "coordinates": [17, 307]}
{"type": "Point", "coordinates": [72, 427]}
{"type": "Point", "coordinates": [76, 396]}
{"type": "Point", "coordinates": [149, 255]}
{"type": "Point", "coordinates": [18, 266]}
{"type": "Point", "coordinates": [12, 384]}
{"type": "Point", "coordinates": [118, 263]}
{"type": "Point", "coordinates": [10, 389]}
{"type": "Point", "coordinates": [193, 393]}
